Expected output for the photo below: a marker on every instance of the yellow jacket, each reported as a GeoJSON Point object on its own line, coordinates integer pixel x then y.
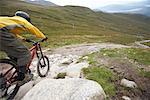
{"type": "Point", "coordinates": [17, 24]}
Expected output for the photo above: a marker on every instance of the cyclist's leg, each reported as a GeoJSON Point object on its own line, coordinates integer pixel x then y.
{"type": "Point", "coordinates": [14, 48]}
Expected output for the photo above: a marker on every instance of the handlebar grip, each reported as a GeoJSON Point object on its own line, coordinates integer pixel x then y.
{"type": "Point", "coordinates": [44, 39]}
{"type": "Point", "coordinates": [28, 40]}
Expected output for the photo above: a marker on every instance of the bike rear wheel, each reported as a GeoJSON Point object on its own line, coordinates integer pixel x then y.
{"type": "Point", "coordinates": [8, 73]}
{"type": "Point", "coordinates": [43, 66]}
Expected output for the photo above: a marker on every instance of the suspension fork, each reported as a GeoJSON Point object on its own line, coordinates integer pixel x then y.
{"type": "Point", "coordinates": [41, 53]}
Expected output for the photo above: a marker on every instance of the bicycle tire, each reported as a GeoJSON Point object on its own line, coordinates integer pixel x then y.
{"type": "Point", "coordinates": [40, 66]}
{"type": "Point", "coordinates": [16, 88]}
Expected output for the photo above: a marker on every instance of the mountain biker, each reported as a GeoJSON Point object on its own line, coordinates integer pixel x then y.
{"type": "Point", "coordinates": [10, 41]}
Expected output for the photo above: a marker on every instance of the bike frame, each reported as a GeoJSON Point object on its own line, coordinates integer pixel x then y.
{"type": "Point", "coordinates": [34, 51]}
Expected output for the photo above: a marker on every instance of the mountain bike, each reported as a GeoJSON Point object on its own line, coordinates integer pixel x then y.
{"type": "Point", "coordinates": [8, 72]}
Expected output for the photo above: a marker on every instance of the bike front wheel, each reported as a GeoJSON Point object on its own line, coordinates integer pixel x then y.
{"type": "Point", "coordinates": [43, 66]}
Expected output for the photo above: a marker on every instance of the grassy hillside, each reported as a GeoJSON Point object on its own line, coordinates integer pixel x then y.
{"type": "Point", "coordinates": [71, 24]}
{"type": "Point", "coordinates": [109, 66]}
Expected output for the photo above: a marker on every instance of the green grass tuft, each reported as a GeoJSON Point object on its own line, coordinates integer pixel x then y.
{"type": "Point", "coordinates": [145, 73]}
{"type": "Point", "coordinates": [139, 55]}
{"type": "Point", "coordinates": [103, 76]}
{"type": "Point", "coordinates": [100, 74]}
{"type": "Point", "coordinates": [61, 75]}
{"type": "Point", "coordinates": [147, 43]}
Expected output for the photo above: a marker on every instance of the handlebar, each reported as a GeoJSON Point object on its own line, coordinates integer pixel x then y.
{"type": "Point", "coordinates": [35, 42]}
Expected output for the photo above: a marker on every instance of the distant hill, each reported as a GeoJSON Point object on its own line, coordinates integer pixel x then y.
{"type": "Point", "coordinates": [74, 24]}
{"type": "Point", "coordinates": [41, 2]}
{"type": "Point", "coordinates": [137, 8]}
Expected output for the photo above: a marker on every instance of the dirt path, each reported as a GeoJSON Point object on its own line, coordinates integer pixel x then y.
{"type": "Point", "coordinates": [84, 49]}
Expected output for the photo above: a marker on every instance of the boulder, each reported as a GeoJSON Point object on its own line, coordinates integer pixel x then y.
{"type": "Point", "coordinates": [66, 61]}
{"type": "Point", "coordinates": [74, 70]}
{"type": "Point", "coordinates": [66, 89]}
{"type": "Point", "coordinates": [25, 88]}
{"type": "Point", "coordinates": [126, 98]}
{"type": "Point", "coordinates": [127, 83]}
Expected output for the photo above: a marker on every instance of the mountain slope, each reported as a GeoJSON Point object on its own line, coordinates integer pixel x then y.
{"type": "Point", "coordinates": [142, 7]}
{"type": "Point", "coordinates": [41, 2]}
{"type": "Point", "coordinates": [72, 24]}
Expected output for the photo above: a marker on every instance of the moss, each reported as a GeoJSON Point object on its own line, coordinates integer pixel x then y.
{"type": "Point", "coordinates": [61, 75]}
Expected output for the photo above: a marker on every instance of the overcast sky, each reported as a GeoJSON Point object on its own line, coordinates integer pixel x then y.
{"type": "Point", "coordinates": [92, 3]}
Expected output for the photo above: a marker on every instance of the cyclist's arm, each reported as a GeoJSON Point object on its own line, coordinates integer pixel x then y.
{"type": "Point", "coordinates": [32, 29]}
{"type": "Point", "coordinates": [20, 37]}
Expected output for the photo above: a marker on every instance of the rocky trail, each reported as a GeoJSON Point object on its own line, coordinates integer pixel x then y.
{"type": "Point", "coordinates": [73, 86]}
{"type": "Point", "coordinates": [139, 44]}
